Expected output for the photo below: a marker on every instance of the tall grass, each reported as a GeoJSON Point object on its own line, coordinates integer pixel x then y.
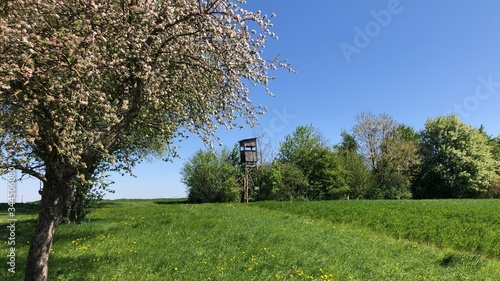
{"type": "Point", "coordinates": [165, 240]}
{"type": "Point", "coordinates": [471, 225]}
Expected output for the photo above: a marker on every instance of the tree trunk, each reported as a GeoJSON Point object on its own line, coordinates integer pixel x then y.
{"type": "Point", "coordinates": [56, 195]}
{"type": "Point", "coordinates": [79, 206]}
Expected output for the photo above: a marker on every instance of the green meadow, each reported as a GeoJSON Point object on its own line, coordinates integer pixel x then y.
{"type": "Point", "coordinates": [329, 240]}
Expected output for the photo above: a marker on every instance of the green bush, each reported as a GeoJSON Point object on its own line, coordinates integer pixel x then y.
{"type": "Point", "coordinates": [281, 181]}
{"type": "Point", "coordinates": [210, 177]}
{"type": "Point", "coordinates": [307, 150]}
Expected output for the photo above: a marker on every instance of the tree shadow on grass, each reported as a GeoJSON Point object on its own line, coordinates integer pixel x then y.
{"type": "Point", "coordinates": [81, 267]}
{"type": "Point", "coordinates": [172, 201]}
{"type": "Point", "coordinates": [104, 203]}
{"type": "Point", "coordinates": [22, 224]}
{"type": "Point", "coordinates": [62, 265]}
{"type": "Point", "coordinates": [31, 208]}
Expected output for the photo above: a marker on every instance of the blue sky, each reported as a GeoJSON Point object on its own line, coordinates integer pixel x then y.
{"type": "Point", "coordinates": [413, 60]}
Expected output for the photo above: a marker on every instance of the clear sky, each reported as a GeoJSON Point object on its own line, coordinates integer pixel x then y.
{"type": "Point", "coordinates": [411, 59]}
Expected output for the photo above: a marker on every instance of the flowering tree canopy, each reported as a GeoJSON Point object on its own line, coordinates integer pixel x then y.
{"type": "Point", "coordinates": [108, 81]}
{"type": "Point", "coordinates": [94, 80]}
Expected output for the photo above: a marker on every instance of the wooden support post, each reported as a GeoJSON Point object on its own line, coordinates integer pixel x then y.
{"type": "Point", "coordinates": [246, 184]}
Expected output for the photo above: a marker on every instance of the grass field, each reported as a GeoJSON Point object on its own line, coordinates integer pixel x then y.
{"type": "Point", "coordinates": [335, 240]}
{"type": "Point", "coordinates": [470, 225]}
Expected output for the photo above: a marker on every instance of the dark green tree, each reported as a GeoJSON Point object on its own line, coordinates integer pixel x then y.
{"type": "Point", "coordinates": [399, 162]}
{"type": "Point", "coordinates": [309, 151]}
{"type": "Point", "coordinates": [390, 150]}
{"type": "Point", "coordinates": [457, 160]}
{"type": "Point", "coordinates": [494, 189]}
{"type": "Point", "coordinates": [359, 177]}
{"type": "Point", "coordinates": [210, 177]}
{"type": "Point", "coordinates": [282, 182]}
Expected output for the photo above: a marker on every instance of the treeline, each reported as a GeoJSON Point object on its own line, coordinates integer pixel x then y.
{"type": "Point", "coordinates": [378, 158]}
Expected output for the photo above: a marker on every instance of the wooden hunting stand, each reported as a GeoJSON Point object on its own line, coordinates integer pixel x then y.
{"type": "Point", "coordinates": [248, 157]}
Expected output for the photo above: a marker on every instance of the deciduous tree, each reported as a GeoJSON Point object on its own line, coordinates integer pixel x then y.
{"type": "Point", "coordinates": [89, 82]}
{"type": "Point", "coordinates": [211, 177]}
{"type": "Point", "coordinates": [309, 151]}
{"type": "Point", "coordinates": [457, 160]}
{"type": "Point", "coordinates": [399, 162]}
{"type": "Point", "coordinates": [390, 150]}
{"type": "Point", "coordinates": [359, 178]}
{"type": "Point", "coordinates": [370, 132]}
{"type": "Point", "coordinates": [281, 181]}
{"type": "Point", "coordinates": [494, 189]}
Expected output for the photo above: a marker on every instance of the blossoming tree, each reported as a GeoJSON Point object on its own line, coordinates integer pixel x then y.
{"type": "Point", "coordinates": [104, 82]}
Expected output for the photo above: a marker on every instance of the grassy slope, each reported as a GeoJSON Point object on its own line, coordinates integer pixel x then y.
{"type": "Point", "coordinates": [159, 240]}
{"type": "Point", "coordinates": [471, 225]}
